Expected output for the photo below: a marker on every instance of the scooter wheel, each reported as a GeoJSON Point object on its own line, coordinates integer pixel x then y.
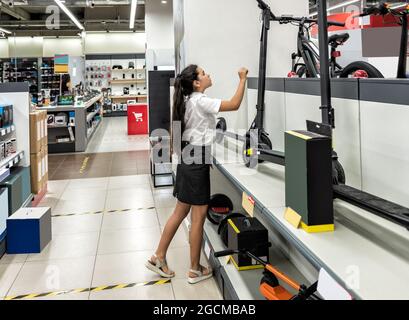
{"type": "Point", "coordinates": [221, 128]}
{"type": "Point", "coordinates": [338, 173]}
{"type": "Point", "coordinates": [220, 206]}
{"type": "Point", "coordinates": [265, 143]}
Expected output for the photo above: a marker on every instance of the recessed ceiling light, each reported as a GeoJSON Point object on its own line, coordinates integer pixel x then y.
{"type": "Point", "coordinates": [164, 2]}
{"type": "Point", "coordinates": [134, 5]}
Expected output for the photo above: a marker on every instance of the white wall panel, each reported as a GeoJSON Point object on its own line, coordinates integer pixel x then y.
{"type": "Point", "coordinates": [25, 47]}
{"type": "Point", "coordinates": [4, 48]}
{"type": "Point", "coordinates": [106, 43]}
{"type": "Point", "coordinates": [385, 150]}
{"type": "Point", "coordinates": [223, 36]}
{"type": "Point", "coordinates": [70, 46]}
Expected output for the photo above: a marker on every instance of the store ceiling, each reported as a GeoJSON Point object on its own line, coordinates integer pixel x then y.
{"type": "Point", "coordinates": [29, 17]}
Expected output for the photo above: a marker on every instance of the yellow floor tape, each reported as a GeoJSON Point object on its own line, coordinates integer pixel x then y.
{"type": "Point", "coordinates": [94, 289]}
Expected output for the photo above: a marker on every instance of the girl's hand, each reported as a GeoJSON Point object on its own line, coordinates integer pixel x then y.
{"type": "Point", "coordinates": [243, 72]}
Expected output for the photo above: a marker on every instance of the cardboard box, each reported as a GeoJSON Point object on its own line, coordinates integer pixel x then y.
{"type": "Point", "coordinates": [45, 130]}
{"type": "Point", "coordinates": [37, 131]}
{"type": "Point", "coordinates": [36, 172]}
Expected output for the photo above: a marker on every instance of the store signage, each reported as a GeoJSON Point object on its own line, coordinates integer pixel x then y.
{"type": "Point", "coordinates": [61, 63]}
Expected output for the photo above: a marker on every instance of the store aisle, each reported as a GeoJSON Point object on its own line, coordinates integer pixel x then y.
{"type": "Point", "coordinates": [112, 136]}
{"type": "Point", "coordinates": [104, 229]}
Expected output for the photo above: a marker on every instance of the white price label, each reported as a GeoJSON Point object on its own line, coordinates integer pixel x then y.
{"type": "Point", "coordinates": [3, 132]}
{"type": "Point", "coordinates": [11, 163]}
{"type": "Point", "coordinates": [8, 130]}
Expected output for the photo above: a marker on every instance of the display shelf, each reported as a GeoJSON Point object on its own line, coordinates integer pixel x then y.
{"type": "Point", "coordinates": [6, 131]}
{"type": "Point", "coordinates": [60, 126]}
{"type": "Point", "coordinates": [115, 114]}
{"type": "Point", "coordinates": [11, 160]}
{"type": "Point", "coordinates": [127, 81]}
{"type": "Point", "coordinates": [128, 97]}
{"type": "Point", "coordinates": [266, 185]}
{"type": "Point", "coordinates": [93, 114]}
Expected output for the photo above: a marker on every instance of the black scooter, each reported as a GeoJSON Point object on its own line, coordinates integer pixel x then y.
{"type": "Point", "coordinates": [386, 209]}
{"type": "Point", "coordinates": [256, 132]}
{"type": "Point", "coordinates": [257, 146]}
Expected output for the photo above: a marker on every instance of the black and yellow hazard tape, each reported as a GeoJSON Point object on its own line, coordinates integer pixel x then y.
{"type": "Point", "coordinates": [98, 212]}
{"type": "Point", "coordinates": [94, 289]}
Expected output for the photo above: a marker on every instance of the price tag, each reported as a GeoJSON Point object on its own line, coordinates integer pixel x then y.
{"type": "Point", "coordinates": [11, 163]}
{"type": "Point", "coordinates": [3, 132]}
{"type": "Point", "coordinates": [292, 217]}
{"type": "Point", "coordinates": [248, 204]}
{"type": "Point", "coordinates": [8, 130]}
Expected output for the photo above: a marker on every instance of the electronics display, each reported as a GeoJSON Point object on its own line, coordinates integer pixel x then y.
{"type": "Point", "coordinates": [65, 100]}
{"type": "Point", "coordinates": [51, 119]}
{"type": "Point", "coordinates": [6, 116]}
{"type": "Point", "coordinates": [72, 118]}
{"type": "Point", "coordinates": [61, 119]}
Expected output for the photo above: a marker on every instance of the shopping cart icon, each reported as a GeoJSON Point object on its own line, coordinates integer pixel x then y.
{"type": "Point", "coordinates": [138, 116]}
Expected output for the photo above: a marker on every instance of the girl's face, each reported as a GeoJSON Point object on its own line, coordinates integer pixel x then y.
{"type": "Point", "coordinates": [204, 81]}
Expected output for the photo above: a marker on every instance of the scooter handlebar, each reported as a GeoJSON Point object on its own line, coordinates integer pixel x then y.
{"type": "Point", "coordinates": [262, 5]}
{"type": "Point", "coordinates": [288, 19]}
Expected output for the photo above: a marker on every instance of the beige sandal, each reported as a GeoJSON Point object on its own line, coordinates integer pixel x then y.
{"type": "Point", "coordinates": [200, 276]}
{"type": "Point", "coordinates": [158, 266]}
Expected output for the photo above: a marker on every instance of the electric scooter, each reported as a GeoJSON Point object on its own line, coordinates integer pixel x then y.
{"type": "Point", "coordinates": [256, 138]}
{"type": "Point", "coordinates": [270, 286]}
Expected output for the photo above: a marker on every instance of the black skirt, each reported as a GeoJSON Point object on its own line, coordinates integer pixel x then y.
{"type": "Point", "coordinates": [193, 177]}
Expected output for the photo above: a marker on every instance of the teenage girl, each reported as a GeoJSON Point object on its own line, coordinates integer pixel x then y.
{"type": "Point", "coordinates": [197, 114]}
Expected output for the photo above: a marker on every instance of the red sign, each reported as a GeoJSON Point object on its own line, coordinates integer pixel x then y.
{"type": "Point", "coordinates": [138, 122]}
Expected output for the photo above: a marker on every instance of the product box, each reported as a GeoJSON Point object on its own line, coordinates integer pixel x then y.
{"type": "Point", "coordinates": [6, 115]}
{"type": "Point", "coordinates": [308, 179]}
{"type": "Point", "coordinates": [36, 172]}
{"type": "Point", "coordinates": [249, 234]}
{"type": "Point", "coordinates": [38, 129]}
{"type": "Point", "coordinates": [29, 230]}
{"type": "Point", "coordinates": [44, 166]}
{"type": "Point", "coordinates": [44, 140]}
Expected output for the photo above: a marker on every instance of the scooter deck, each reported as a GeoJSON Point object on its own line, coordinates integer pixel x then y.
{"type": "Point", "coordinates": [386, 209]}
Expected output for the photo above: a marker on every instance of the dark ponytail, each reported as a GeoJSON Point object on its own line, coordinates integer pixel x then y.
{"type": "Point", "coordinates": [183, 88]}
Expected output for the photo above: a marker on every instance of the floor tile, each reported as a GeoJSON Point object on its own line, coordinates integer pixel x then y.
{"type": "Point", "coordinates": [53, 275]}
{"type": "Point", "coordinates": [134, 198]}
{"type": "Point", "coordinates": [67, 296]}
{"type": "Point", "coordinates": [180, 239]}
{"type": "Point", "coordinates": [134, 219]}
{"type": "Point", "coordinates": [70, 206]}
{"type": "Point", "coordinates": [128, 181]}
{"type": "Point", "coordinates": [164, 200]}
{"type": "Point", "coordinates": [76, 224]}
{"type": "Point", "coordinates": [205, 290]}
{"type": "Point", "coordinates": [120, 268]}
{"type": "Point", "coordinates": [8, 273]}
{"type": "Point", "coordinates": [164, 214]}
{"type": "Point", "coordinates": [13, 258]}
{"type": "Point", "coordinates": [179, 261]}
{"type": "Point", "coordinates": [100, 183]}
{"type": "Point", "coordinates": [92, 194]}
{"type": "Point", "coordinates": [68, 246]}
{"type": "Point", "coordinates": [156, 292]}
{"type": "Point", "coordinates": [126, 240]}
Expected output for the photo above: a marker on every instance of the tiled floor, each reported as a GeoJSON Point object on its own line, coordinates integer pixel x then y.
{"type": "Point", "coordinates": [92, 249]}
